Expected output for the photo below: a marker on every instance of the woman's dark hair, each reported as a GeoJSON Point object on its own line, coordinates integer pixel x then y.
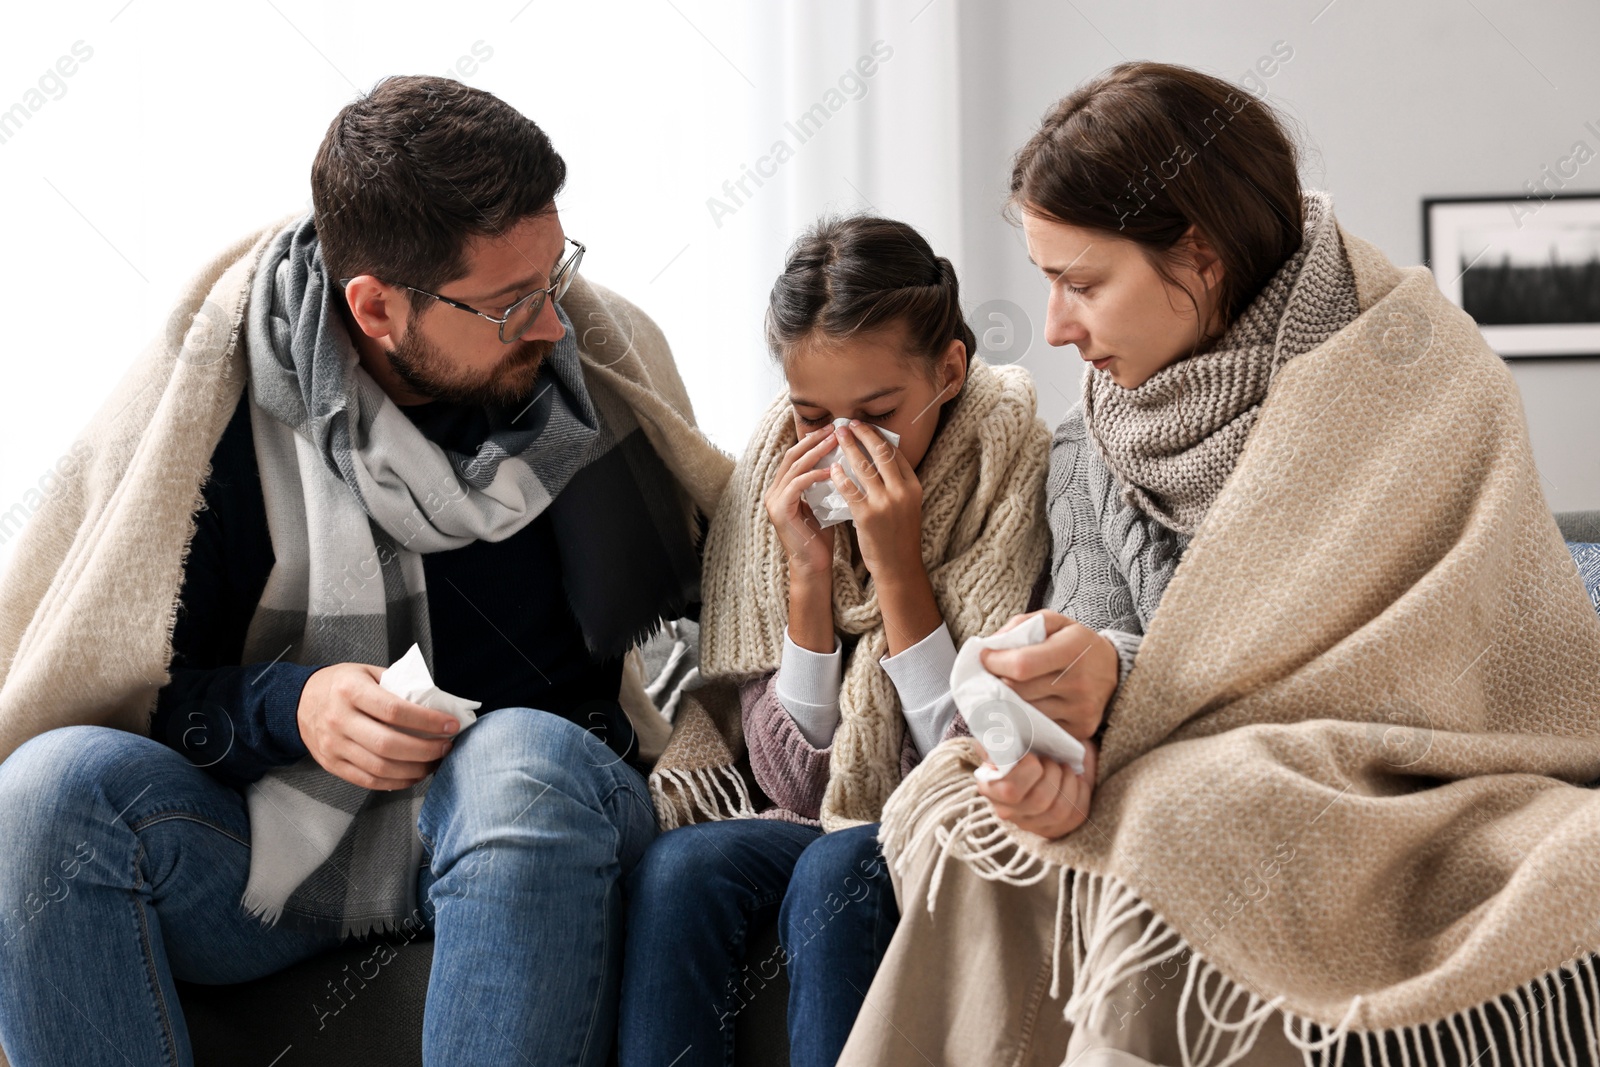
{"type": "Point", "coordinates": [1146, 150]}
{"type": "Point", "coordinates": [857, 273]}
{"type": "Point", "coordinates": [409, 172]}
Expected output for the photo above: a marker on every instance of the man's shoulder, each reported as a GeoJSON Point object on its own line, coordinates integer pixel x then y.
{"type": "Point", "coordinates": [608, 324]}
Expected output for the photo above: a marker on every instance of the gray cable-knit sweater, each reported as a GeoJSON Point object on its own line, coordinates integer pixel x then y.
{"type": "Point", "coordinates": [1109, 562]}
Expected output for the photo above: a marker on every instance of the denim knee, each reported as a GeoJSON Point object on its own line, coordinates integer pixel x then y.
{"type": "Point", "coordinates": [679, 868]}
{"type": "Point", "coordinates": [61, 772]}
{"type": "Point", "coordinates": [843, 864]}
{"type": "Point", "coordinates": [836, 871]}
{"type": "Point", "coordinates": [520, 767]}
{"type": "Point", "coordinates": [527, 742]}
{"type": "Point", "coordinates": [51, 787]}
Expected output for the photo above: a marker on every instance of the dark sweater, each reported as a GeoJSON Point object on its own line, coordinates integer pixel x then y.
{"type": "Point", "coordinates": [503, 633]}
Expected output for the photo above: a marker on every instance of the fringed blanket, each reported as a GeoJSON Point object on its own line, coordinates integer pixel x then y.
{"type": "Point", "coordinates": [1342, 790]}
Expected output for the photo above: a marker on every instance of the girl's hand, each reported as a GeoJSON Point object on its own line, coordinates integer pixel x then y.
{"type": "Point", "coordinates": [808, 546]}
{"type": "Point", "coordinates": [1070, 675]}
{"type": "Point", "coordinates": [887, 509]}
{"type": "Point", "coordinates": [1042, 796]}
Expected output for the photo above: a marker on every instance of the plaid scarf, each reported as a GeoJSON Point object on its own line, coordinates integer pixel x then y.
{"type": "Point", "coordinates": [354, 495]}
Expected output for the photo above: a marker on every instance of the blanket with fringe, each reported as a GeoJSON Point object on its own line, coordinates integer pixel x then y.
{"type": "Point", "coordinates": [1343, 788]}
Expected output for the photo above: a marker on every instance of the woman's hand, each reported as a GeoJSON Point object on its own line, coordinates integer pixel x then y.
{"type": "Point", "coordinates": [1042, 796]}
{"type": "Point", "coordinates": [808, 546]}
{"type": "Point", "coordinates": [1070, 675]}
{"type": "Point", "coordinates": [887, 512]}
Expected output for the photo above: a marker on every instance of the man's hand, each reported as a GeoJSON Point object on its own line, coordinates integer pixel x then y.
{"type": "Point", "coordinates": [1042, 796]}
{"type": "Point", "coordinates": [365, 734]}
{"type": "Point", "coordinates": [1070, 675]}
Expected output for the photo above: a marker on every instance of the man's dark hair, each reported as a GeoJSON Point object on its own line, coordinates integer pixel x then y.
{"type": "Point", "coordinates": [409, 172]}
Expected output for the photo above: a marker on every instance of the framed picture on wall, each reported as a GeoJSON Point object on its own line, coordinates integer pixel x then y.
{"type": "Point", "coordinates": [1527, 269]}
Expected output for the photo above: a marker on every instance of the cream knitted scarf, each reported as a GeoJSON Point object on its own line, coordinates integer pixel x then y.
{"type": "Point", "coordinates": [1343, 785]}
{"type": "Point", "coordinates": [984, 538]}
{"type": "Point", "coordinates": [1174, 439]}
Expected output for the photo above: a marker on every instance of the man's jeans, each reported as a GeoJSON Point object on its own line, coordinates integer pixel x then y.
{"type": "Point", "coordinates": [122, 866]}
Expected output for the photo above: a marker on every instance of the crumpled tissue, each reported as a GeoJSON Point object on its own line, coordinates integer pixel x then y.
{"type": "Point", "coordinates": [408, 679]}
{"type": "Point", "coordinates": [1007, 726]}
{"type": "Point", "coordinates": [827, 503]}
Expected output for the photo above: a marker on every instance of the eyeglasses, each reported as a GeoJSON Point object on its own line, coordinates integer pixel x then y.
{"type": "Point", "coordinates": [520, 316]}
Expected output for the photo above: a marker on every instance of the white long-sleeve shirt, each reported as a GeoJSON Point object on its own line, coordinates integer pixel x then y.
{"type": "Point", "coordinates": [808, 686]}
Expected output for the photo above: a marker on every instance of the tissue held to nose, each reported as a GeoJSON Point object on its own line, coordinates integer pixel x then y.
{"type": "Point", "coordinates": [824, 498]}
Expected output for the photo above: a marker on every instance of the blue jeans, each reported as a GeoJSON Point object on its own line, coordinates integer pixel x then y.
{"type": "Point", "coordinates": [692, 902]}
{"type": "Point", "coordinates": [836, 923]}
{"type": "Point", "coordinates": [123, 864]}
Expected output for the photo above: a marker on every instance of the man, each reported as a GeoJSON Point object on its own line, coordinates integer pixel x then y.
{"type": "Point", "coordinates": [400, 420]}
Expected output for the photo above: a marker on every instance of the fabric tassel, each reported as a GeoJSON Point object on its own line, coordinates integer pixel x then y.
{"type": "Point", "coordinates": [1112, 936]}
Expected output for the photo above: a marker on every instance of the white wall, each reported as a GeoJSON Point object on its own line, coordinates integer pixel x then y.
{"type": "Point", "coordinates": [1395, 100]}
{"type": "Point", "coordinates": [192, 123]}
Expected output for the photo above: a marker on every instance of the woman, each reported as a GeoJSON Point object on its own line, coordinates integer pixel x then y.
{"type": "Point", "coordinates": [1338, 799]}
{"type": "Point", "coordinates": [832, 645]}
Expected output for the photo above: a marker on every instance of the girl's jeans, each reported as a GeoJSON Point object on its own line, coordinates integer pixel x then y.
{"type": "Point", "coordinates": [692, 903]}
{"type": "Point", "coordinates": [122, 866]}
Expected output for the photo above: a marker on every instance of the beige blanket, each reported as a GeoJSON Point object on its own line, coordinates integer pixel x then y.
{"type": "Point", "coordinates": [88, 600]}
{"type": "Point", "coordinates": [1341, 789]}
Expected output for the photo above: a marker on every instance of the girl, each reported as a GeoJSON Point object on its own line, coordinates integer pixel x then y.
{"type": "Point", "coordinates": [832, 645]}
{"type": "Point", "coordinates": [1374, 659]}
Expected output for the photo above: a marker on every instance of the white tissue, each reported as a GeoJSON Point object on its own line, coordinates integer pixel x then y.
{"type": "Point", "coordinates": [408, 679]}
{"type": "Point", "coordinates": [1007, 726]}
{"type": "Point", "coordinates": [827, 503]}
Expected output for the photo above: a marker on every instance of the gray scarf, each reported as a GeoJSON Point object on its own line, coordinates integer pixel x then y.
{"type": "Point", "coordinates": [354, 494]}
{"type": "Point", "coordinates": [1174, 439]}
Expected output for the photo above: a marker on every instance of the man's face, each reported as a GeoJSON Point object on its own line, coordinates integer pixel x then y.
{"type": "Point", "coordinates": [448, 354]}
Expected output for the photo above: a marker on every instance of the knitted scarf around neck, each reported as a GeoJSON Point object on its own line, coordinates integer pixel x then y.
{"type": "Point", "coordinates": [1174, 439]}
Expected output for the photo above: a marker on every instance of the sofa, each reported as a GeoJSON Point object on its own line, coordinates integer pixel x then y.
{"type": "Point", "coordinates": [282, 1020]}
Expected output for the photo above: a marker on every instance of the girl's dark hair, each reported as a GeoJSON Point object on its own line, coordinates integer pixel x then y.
{"type": "Point", "coordinates": [1146, 150]}
{"type": "Point", "coordinates": [409, 172]}
{"type": "Point", "coordinates": [856, 273]}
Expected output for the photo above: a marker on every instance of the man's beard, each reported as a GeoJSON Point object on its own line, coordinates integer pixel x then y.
{"type": "Point", "coordinates": [426, 369]}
